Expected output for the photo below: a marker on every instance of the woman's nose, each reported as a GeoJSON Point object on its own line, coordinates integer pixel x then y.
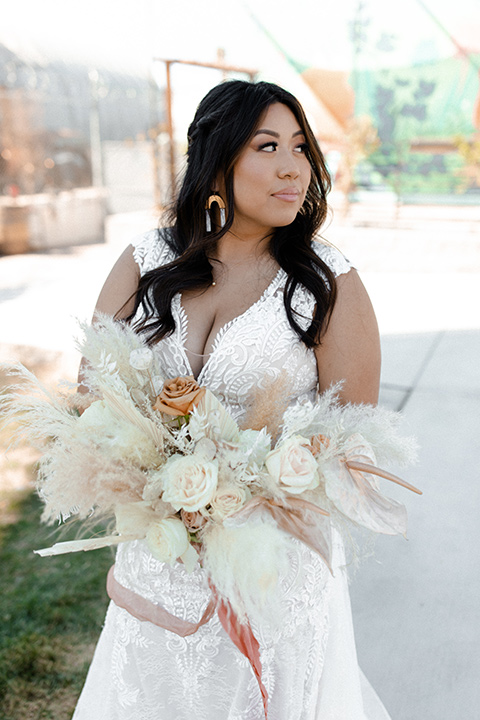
{"type": "Point", "coordinates": [288, 166]}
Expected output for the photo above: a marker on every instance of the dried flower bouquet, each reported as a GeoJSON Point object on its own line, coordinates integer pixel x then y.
{"type": "Point", "coordinates": [166, 462]}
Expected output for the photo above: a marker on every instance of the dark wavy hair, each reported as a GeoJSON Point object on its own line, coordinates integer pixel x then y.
{"type": "Point", "coordinates": [224, 123]}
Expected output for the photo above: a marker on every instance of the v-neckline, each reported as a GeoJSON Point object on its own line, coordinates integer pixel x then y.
{"type": "Point", "coordinates": [183, 330]}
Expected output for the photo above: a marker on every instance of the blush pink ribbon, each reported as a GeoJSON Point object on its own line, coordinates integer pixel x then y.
{"type": "Point", "coordinates": [293, 516]}
{"type": "Point", "coordinates": [145, 610]}
{"type": "Point", "coordinates": [241, 634]}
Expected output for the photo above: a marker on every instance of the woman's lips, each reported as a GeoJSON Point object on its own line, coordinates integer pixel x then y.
{"type": "Point", "coordinates": [288, 195]}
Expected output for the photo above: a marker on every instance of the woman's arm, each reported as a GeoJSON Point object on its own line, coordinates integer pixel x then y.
{"type": "Point", "coordinates": [117, 296]}
{"type": "Point", "coordinates": [350, 349]}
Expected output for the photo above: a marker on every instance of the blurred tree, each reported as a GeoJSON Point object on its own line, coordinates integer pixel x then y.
{"type": "Point", "coordinates": [469, 151]}
{"type": "Point", "coordinates": [361, 140]}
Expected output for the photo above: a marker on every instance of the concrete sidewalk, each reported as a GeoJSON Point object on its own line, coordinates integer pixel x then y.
{"type": "Point", "coordinates": [416, 604]}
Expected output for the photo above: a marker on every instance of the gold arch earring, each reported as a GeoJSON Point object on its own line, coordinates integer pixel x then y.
{"type": "Point", "coordinates": [221, 204]}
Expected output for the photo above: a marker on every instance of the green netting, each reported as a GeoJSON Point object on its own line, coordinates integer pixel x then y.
{"type": "Point", "coordinates": [413, 106]}
{"type": "Point", "coordinates": [430, 101]}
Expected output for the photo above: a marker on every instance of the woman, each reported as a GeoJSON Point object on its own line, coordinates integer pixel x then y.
{"type": "Point", "coordinates": [238, 293]}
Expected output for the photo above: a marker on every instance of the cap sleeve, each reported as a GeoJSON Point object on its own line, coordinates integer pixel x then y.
{"type": "Point", "coordinates": [303, 301]}
{"type": "Point", "coordinates": [151, 250]}
{"type": "Point", "coordinates": [332, 257]}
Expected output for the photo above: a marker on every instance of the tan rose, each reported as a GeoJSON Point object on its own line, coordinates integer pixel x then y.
{"type": "Point", "coordinates": [193, 521]}
{"type": "Point", "coordinates": [179, 396]}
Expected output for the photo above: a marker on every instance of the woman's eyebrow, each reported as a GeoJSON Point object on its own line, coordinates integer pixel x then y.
{"type": "Point", "coordinates": [265, 131]}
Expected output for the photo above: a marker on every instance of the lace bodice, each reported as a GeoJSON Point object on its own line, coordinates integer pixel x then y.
{"type": "Point", "coordinates": [253, 349]}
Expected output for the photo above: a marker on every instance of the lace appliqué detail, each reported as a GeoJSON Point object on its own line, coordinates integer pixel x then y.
{"type": "Point", "coordinates": [150, 250]}
{"type": "Point", "coordinates": [337, 262]}
{"type": "Point", "coordinates": [127, 633]}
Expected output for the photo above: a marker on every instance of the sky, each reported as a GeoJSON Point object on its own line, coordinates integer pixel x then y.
{"type": "Point", "coordinates": [127, 35]}
{"type": "Point", "coordinates": [130, 32]}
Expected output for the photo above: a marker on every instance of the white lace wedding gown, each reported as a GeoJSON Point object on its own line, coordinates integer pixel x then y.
{"type": "Point", "coordinates": [309, 667]}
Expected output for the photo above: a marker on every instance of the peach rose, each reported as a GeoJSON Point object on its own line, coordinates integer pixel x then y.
{"type": "Point", "coordinates": [193, 521]}
{"type": "Point", "coordinates": [318, 444]}
{"type": "Point", "coordinates": [179, 396]}
{"type": "Point", "coordinates": [293, 466]}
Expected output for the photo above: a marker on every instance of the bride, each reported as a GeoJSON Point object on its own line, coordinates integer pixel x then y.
{"type": "Point", "coordinates": [239, 291]}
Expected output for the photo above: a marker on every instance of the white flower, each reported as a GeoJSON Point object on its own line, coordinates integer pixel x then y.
{"type": "Point", "coordinates": [206, 449]}
{"type": "Point", "coordinates": [167, 539]}
{"type": "Point", "coordinates": [141, 358]}
{"type": "Point", "coordinates": [228, 499]}
{"type": "Point", "coordinates": [255, 444]}
{"type": "Point", "coordinates": [189, 482]}
{"type": "Point", "coordinates": [197, 426]}
{"type": "Point", "coordinates": [293, 466]}
{"type": "Point", "coordinates": [94, 415]}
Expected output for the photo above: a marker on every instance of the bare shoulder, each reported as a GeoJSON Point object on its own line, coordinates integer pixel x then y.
{"type": "Point", "coordinates": [117, 295]}
{"type": "Point", "coordinates": [350, 345]}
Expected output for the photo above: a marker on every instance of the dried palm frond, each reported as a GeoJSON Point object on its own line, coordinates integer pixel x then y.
{"type": "Point", "coordinates": [218, 417]}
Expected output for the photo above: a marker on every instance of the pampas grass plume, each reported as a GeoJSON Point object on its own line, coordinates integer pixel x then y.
{"type": "Point", "coordinates": [268, 404]}
{"type": "Point", "coordinates": [85, 483]}
{"type": "Point", "coordinates": [245, 563]}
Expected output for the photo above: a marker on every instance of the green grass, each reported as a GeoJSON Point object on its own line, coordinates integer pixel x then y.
{"type": "Point", "coordinates": [51, 613]}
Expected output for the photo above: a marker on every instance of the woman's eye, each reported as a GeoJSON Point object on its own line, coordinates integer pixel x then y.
{"type": "Point", "coordinates": [302, 148]}
{"type": "Point", "coordinates": [268, 147]}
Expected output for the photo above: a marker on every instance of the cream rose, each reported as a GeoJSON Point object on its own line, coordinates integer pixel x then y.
{"type": "Point", "coordinates": [228, 500]}
{"type": "Point", "coordinates": [167, 539]}
{"type": "Point", "coordinates": [293, 466]}
{"type": "Point", "coordinates": [179, 396]}
{"type": "Point", "coordinates": [188, 482]}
